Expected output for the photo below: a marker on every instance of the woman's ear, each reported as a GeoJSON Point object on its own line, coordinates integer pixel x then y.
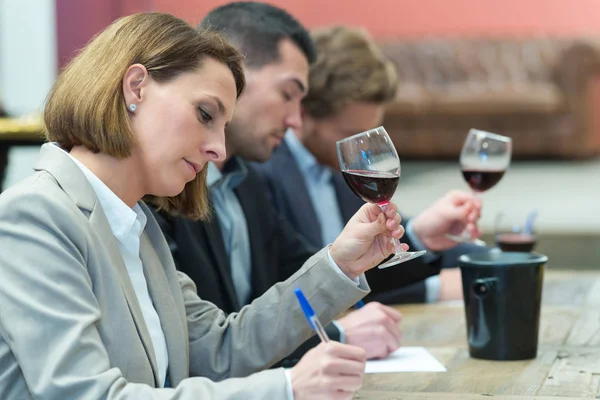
{"type": "Point", "coordinates": [135, 79]}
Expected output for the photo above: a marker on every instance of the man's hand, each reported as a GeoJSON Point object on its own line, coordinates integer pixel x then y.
{"type": "Point", "coordinates": [451, 214]}
{"type": "Point", "coordinates": [366, 239]}
{"type": "Point", "coordinates": [375, 328]}
{"type": "Point", "coordinates": [329, 371]}
{"type": "Point", "coordinates": [450, 284]}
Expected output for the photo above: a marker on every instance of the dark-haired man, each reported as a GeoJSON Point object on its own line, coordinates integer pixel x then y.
{"type": "Point", "coordinates": [248, 246]}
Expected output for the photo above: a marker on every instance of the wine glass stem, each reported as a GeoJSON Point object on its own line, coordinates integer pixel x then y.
{"type": "Point", "coordinates": [396, 242]}
{"type": "Point", "coordinates": [476, 196]}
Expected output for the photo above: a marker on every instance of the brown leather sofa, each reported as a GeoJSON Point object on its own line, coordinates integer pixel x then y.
{"type": "Point", "coordinates": [543, 92]}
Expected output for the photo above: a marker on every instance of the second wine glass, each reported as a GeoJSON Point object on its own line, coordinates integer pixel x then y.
{"type": "Point", "coordinates": [371, 167]}
{"type": "Point", "coordinates": [484, 158]}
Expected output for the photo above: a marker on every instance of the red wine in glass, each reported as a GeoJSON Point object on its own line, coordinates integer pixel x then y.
{"type": "Point", "coordinates": [372, 186]}
{"type": "Point", "coordinates": [516, 242]}
{"type": "Point", "coordinates": [481, 180]}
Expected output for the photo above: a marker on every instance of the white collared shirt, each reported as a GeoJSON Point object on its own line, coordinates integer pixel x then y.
{"type": "Point", "coordinates": [127, 225]}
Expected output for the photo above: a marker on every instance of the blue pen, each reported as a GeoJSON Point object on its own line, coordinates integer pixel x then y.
{"type": "Point", "coordinates": [359, 305]}
{"type": "Point", "coordinates": [310, 316]}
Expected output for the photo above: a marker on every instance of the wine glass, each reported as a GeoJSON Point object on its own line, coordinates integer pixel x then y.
{"type": "Point", "coordinates": [514, 233]}
{"type": "Point", "coordinates": [484, 158]}
{"type": "Point", "coordinates": [371, 168]}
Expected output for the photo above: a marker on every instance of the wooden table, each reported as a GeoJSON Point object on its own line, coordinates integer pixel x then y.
{"type": "Point", "coordinates": [567, 365]}
{"type": "Point", "coordinates": [17, 132]}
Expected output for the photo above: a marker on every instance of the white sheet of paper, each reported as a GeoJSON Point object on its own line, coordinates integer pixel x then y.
{"type": "Point", "coordinates": [406, 359]}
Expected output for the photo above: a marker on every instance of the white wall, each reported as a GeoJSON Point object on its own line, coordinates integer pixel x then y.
{"type": "Point", "coordinates": [28, 67]}
{"type": "Point", "coordinates": [0, 58]}
{"type": "Point", "coordinates": [28, 63]}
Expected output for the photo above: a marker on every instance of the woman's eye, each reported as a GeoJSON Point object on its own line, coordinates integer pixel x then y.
{"type": "Point", "coordinates": [206, 117]}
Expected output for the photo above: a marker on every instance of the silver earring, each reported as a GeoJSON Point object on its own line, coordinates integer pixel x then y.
{"type": "Point", "coordinates": [132, 107]}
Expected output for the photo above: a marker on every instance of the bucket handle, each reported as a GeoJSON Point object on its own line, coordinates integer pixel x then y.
{"type": "Point", "coordinates": [482, 286]}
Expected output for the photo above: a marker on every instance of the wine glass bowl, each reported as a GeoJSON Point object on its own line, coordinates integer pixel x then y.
{"type": "Point", "coordinates": [371, 168]}
{"type": "Point", "coordinates": [484, 158]}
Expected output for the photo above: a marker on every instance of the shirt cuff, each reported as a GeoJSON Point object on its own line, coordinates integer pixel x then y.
{"type": "Point", "coordinates": [432, 288]}
{"type": "Point", "coordinates": [356, 281]}
{"type": "Point", "coordinates": [340, 328]}
{"type": "Point", "coordinates": [417, 245]}
{"type": "Point", "coordinates": [288, 388]}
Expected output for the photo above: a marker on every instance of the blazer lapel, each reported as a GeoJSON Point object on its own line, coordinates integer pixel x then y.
{"type": "Point", "coordinates": [101, 225]}
{"type": "Point", "coordinates": [296, 192]}
{"type": "Point", "coordinates": [170, 321]}
{"type": "Point", "coordinates": [72, 180]}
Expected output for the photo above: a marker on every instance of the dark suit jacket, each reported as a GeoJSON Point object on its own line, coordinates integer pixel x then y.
{"type": "Point", "coordinates": [289, 193]}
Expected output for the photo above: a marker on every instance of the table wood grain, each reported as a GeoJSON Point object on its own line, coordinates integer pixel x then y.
{"type": "Point", "coordinates": [567, 364]}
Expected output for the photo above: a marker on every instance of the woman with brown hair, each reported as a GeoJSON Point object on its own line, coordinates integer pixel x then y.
{"type": "Point", "coordinates": [92, 306]}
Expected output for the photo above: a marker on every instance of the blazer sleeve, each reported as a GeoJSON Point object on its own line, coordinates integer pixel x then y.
{"type": "Point", "coordinates": [294, 251]}
{"type": "Point", "coordinates": [49, 315]}
{"type": "Point", "coordinates": [293, 359]}
{"type": "Point", "coordinates": [269, 328]}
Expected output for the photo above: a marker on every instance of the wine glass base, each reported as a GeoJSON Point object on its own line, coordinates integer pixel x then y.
{"type": "Point", "coordinates": [399, 258]}
{"type": "Point", "coordinates": [465, 238]}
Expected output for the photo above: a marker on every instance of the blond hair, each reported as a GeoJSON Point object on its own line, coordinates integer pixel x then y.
{"type": "Point", "coordinates": [349, 67]}
{"type": "Point", "coordinates": [86, 105]}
